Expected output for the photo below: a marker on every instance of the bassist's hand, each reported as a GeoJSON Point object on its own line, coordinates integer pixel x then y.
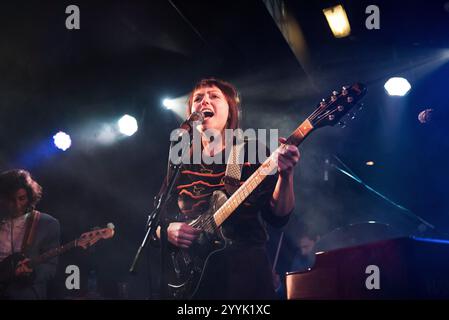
{"type": "Point", "coordinates": [23, 269]}
{"type": "Point", "coordinates": [181, 234]}
{"type": "Point", "coordinates": [287, 159]}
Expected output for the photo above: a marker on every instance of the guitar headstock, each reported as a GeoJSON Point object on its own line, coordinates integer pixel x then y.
{"type": "Point", "coordinates": [88, 239]}
{"type": "Point", "coordinates": [331, 110]}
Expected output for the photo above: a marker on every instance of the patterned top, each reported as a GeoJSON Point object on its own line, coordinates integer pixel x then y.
{"type": "Point", "coordinates": [194, 189]}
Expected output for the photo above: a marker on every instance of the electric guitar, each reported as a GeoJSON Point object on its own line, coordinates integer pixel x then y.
{"type": "Point", "coordinates": [9, 264]}
{"type": "Point", "coordinates": [186, 266]}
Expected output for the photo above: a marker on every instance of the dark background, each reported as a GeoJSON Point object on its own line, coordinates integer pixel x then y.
{"type": "Point", "coordinates": [129, 55]}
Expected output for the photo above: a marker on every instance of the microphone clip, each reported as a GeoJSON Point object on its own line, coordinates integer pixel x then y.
{"type": "Point", "coordinates": [196, 116]}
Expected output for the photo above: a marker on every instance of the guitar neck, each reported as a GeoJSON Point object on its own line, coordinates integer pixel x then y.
{"type": "Point", "coordinates": [268, 166]}
{"type": "Point", "coordinates": [54, 253]}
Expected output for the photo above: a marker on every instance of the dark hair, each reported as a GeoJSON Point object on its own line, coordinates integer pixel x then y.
{"type": "Point", "coordinates": [13, 180]}
{"type": "Point", "coordinates": [231, 94]}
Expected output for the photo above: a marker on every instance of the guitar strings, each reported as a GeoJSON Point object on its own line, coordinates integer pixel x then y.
{"type": "Point", "coordinates": [315, 114]}
{"type": "Point", "coordinates": [354, 103]}
{"type": "Point", "coordinates": [324, 116]}
{"type": "Point", "coordinates": [206, 223]}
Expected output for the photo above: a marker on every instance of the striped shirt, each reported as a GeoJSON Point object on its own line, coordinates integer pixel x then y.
{"type": "Point", "coordinates": [194, 189]}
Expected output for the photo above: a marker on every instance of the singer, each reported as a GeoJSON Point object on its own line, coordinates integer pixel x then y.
{"type": "Point", "coordinates": [242, 270]}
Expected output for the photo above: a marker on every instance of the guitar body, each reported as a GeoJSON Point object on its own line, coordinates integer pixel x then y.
{"type": "Point", "coordinates": [7, 271]}
{"type": "Point", "coordinates": [9, 265]}
{"type": "Point", "coordinates": [185, 267]}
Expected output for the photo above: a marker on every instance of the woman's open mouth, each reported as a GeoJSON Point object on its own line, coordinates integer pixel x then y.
{"type": "Point", "coordinates": [208, 114]}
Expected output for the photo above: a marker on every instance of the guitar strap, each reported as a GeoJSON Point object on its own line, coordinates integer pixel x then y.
{"type": "Point", "coordinates": [30, 231]}
{"type": "Point", "coordinates": [234, 165]}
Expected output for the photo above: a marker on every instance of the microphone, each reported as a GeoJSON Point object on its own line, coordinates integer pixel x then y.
{"type": "Point", "coordinates": [196, 116]}
{"type": "Point", "coordinates": [425, 116]}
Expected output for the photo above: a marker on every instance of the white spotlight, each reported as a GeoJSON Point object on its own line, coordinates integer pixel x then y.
{"type": "Point", "coordinates": [62, 141]}
{"type": "Point", "coordinates": [176, 105]}
{"type": "Point", "coordinates": [397, 86]}
{"type": "Point", "coordinates": [127, 125]}
{"type": "Point", "coordinates": [168, 103]}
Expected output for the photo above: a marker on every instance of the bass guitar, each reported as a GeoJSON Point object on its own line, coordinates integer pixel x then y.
{"type": "Point", "coordinates": [186, 266]}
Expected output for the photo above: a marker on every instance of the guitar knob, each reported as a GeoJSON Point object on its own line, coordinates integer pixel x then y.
{"type": "Point", "coordinates": [340, 108]}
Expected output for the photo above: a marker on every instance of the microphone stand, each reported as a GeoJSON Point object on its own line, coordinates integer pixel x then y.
{"type": "Point", "coordinates": [157, 216]}
{"type": "Point", "coordinates": [349, 173]}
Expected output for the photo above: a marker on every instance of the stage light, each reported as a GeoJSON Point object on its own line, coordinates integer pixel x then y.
{"type": "Point", "coordinates": [168, 103]}
{"type": "Point", "coordinates": [370, 163]}
{"type": "Point", "coordinates": [397, 86]}
{"type": "Point", "coordinates": [176, 105]}
{"type": "Point", "coordinates": [127, 125]}
{"type": "Point", "coordinates": [62, 141]}
{"type": "Point", "coordinates": [338, 21]}
{"type": "Point", "coordinates": [425, 116]}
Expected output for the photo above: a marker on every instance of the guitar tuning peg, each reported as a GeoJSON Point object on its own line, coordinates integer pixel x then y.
{"type": "Point", "coordinates": [322, 103]}
{"type": "Point", "coordinates": [334, 93]}
{"type": "Point", "coordinates": [350, 99]}
{"type": "Point", "coordinates": [340, 108]}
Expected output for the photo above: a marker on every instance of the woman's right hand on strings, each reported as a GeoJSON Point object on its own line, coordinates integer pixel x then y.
{"type": "Point", "coordinates": [181, 234]}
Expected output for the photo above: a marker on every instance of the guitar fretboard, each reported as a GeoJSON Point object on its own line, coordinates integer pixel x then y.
{"type": "Point", "coordinates": [258, 176]}
{"type": "Point", "coordinates": [54, 252]}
